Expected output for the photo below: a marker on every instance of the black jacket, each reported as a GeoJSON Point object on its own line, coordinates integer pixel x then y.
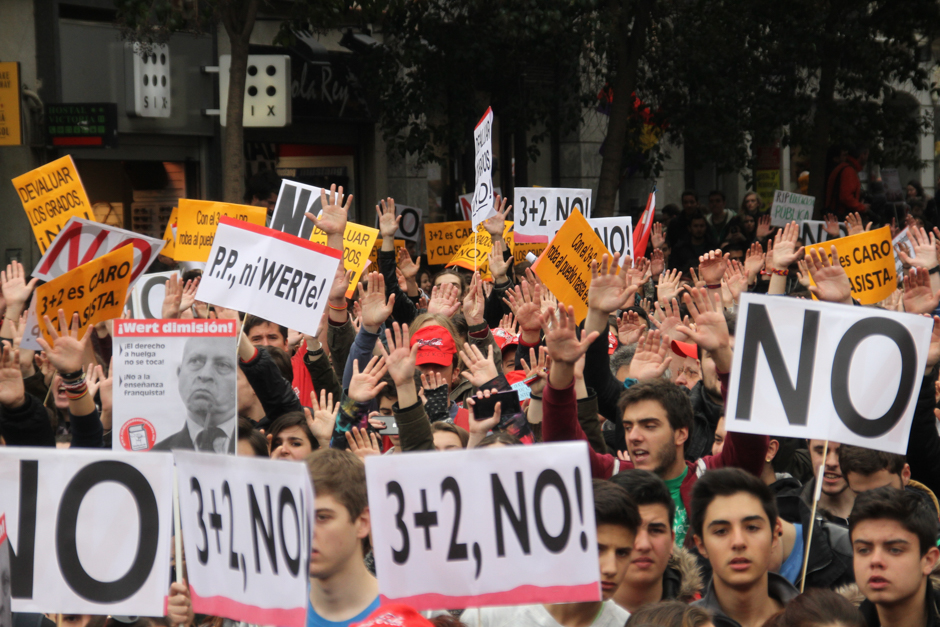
{"type": "Point", "coordinates": [275, 393]}
{"type": "Point", "coordinates": [932, 601]}
{"type": "Point", "coordinates": [706, 415]}
{"type": "Point", "coordinates": [27, 425]}
{"type": "Point", "coordinates": [779, 589]}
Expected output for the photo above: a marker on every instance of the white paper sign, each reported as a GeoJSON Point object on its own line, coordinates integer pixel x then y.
{"type": "Point", "coordinates": [293, 200]}
{"type": "Point", "coordinates": [807, 369]}
{"type": "Point", "coordinates": [90, 530]}
{"type": "Point", "coordinates": [465, 203]}
{"type": "Point", "coordinates": [174, 382]}
{"type": "Point", "coordinates": [540, 211]}
{"type": "Point", "coordinates": [269, 274]}
{"type": "Point", "coordinates": [483, 166]}
{"type": "Point", "coordinates": [789, 207]}
{"type": "Point", "coordinates": [147, 296]}
{"type": "Point", "coordinates": [82, 241]}
{"type": "Point", "coordinates": [247, 527]}
{"type": "Point", "coordinates": [814, 232]}
{"type": "Point", "coordinates": [616, 233]}
{"type": "Point", "coordinates": [473, 533]}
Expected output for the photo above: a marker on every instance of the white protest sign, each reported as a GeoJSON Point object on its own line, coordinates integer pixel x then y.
{"type": "Point", "coordinates": [269, 274]}
{"type": "Point", "coordinates": [172, 380]}
{"type": "Point", "coordinates": [293, 200]}
{"type": "Point", "coordinates": [475, 533]}
{"type": "Point", "coordinates": [82, 241]}
{"type": "Point", "coordinates": [901, 241]}
{"type": "Point", "coordinates": [465, 203]}
{"type": "Point", "coordinates": [789, 207]}
{"type": "Point", "coordinates": [410, 226]}
{"type": "Point", "coordinates": [814, 232]}
{"type": "Point", "coordinates": [616, 233]}
{"type": "Point", "coordinates": [540, 211]}
{"type": "Point", "coordinates": [89, 530]}
{"type": "Point", "coordinates": [807, 369]}
{"type": "Point", "coordinates": [483, 166]}
{"type": "Point", "coordinates": [247, 527]}
{"type": "Point", "coordinates": [146, 299]}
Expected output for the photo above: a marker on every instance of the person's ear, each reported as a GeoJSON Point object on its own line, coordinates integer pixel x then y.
{"type": "Point", "coordinates": [364, 524]}
{"type": "Point", "coordinates": [681, 435]}
{"type": "Point", "coordinates": [777, 532]}
{"type": "Point", "coordinates": [929, 560]}
{"type": "Point", "coordinates": [700, 545]}
{"type": "Point", "coordinates": [906, 475]}
{"type": "Point", "coordinates": [772, 447]}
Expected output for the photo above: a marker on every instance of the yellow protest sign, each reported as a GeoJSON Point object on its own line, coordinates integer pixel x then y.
{"type": "Point", "coordinates": [565, 266]}
{"type": "Point", "coordinates": [521, 249]}
{"type": "Point", "coordinates": [474, 252]}
{"type": "Point", "coordinates": [443, 240]}
{"type": "Point", "coordinates": [868, 259]}
{"type": "Point", "coordinates": [169, 248]}
{"type": "Point", "coordinates": [51, 195]}
{"type": "Point", "coordinates": [196, 221]}
{"type": "Point", "coordinates": [95, 291]}
{"type": "Point", "coordinates": [358, 241]}
{"type": "Point", "coordinates": [11, 132]}
{"type": "Point", "coordinates": [374, 253]}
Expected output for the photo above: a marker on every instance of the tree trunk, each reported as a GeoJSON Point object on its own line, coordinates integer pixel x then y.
{"type": "Point", "coordinates": [238, 28]}
{"type": "Point", "coordinates": [629, 50]}
{"type": "Point", "coordinates": [821, 125]}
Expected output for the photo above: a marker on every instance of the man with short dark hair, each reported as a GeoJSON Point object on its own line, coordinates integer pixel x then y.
{"type": "Point", "coordinates": [894, 538]}
{"type": "Point", "coordinates": [718, 215]}
{"type": "Point", "coordinates": [734, 519]}
{"type": "Point", "coordinates": [867, 469]}
{"type": "Point", "coordinates": [835, 497]}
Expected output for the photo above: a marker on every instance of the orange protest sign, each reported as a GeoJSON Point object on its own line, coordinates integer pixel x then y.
{"type": "Point", "coordinates": [95, 291]}
{"type": "Point", "coordinates": [358, 241]}
{"type": "Point", "coordinates": [565, 266]}
{"type": "Point", "coordinates": [374, 253]}
{"type": "Point", "coordinates": [169, 235]}
{"type": "Point", "coordinates": [521, 249]}
{"type": "Point", "coordinates": [51, 195]}
{"type": "Point", "coordinates": [196, 221]}
{"type": "Point", "coordinates": [868, 259]}
{"type": "Point", "coordinates": [443, 239]}
{"type": "Point", "coordinates": [474, 252]}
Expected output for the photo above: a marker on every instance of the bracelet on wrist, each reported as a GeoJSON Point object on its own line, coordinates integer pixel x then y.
{"type": "Point", "coordinates": [773, 271]}
{"type": "Point", "coordinates": [72, 377]}
{"type": "Point", "coordinates": [716, 286]}
{"type": "Point", "coordinates": [335, 308]}
{"type": "Point", "coordinates": [934, 270]}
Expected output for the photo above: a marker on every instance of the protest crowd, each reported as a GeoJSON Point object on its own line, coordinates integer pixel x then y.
{"type": "Point", "coordinates": [702, 515]}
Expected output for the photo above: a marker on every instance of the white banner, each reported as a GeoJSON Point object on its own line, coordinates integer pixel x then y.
{"type": "Point", "coordinates": [616, 233]}
{"type": "Point", "coordinates": [247, 527]}
{"type": "Point", "coordinates": [89, 530]}
{"type": "Point", "coordinates": [175, 384]}
{"type": "Point", "coordinates": [814, 232]}
{"type": "Point", "coordinates": [273, 275]}
{"type": "Point", "coordinates": [465, 203]}
{"type": "Point", "coordinates": [790, 207]}
{"type": "Point", "coordinates": [502, 527]}
{"type": "Point", "coordinates": [540, 211]}
{"type": "Point", "coordinates": [483, 166]}
{"type": "Point", "coordinates": [824, 371]}
{"type": "Point", "coordinates": [293, 200]}
{"type": "Point", "coordinates": [411, 219]}
{"type": "Point", "coordinates": [146, 301]}
{"type": "Point", "coordinates": [82, 241]}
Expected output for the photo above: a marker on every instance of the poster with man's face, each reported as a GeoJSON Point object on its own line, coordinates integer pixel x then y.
{"type": "Point", "coordinates": [175, 385]}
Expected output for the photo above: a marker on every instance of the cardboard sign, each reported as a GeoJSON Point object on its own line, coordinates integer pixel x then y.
{"type": "Point", "coordinates": [825, 371]}
{"type": "Point", "coordinates": [443, 239]}
{"type": "Point", "coordinates": [483, 166]}
{"type": "Point", "coordinates": [90, 530]}
{"type": "Point", "coordinates": [540, 211]}
{"type": "Point", "coordinates": [95, 290]}
{"type": "Point", "coordinates": [82, 240]}
{"type": "Point", "coordinates": [146, 301]}
{"type": "Point", "coordinates": [358, 243]}
{"type": "Point", "coordinates": [169, 235]}
{"type": "Point", "coordinates": [51, 194]}
{"type": "Point", "coordinates": [868, 259]}
{"type": "Point", "coordinates": [615, 233]}
{"type": "Point", "coordinates": [790, 207]}
{"type": "Point", "coordinates": [272, 275]}
{"type": "Point", "coordinates": [197, 221]}
{"type": "Point", "coordinates": [473, 254]}
{"type": "Point", "coordinates": [293, 201]}
{"type": "Point", "coordinates": [501, 527]}
{"type": "Point", "coordinates": [247, 526]}
{"type": "Point", "coordinates": [814, 232]}
{"type": "Point", "coordinates": [410, 226]}
{"type": "Point", "coordinates": [172, 379]}
{"type": "Point", "coordinates": [565, 266]}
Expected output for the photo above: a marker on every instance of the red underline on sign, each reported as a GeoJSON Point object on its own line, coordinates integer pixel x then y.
{"type": "Point", "coordinates": [284, 237]}
{"type": "Point", "coordinates": [523, 595]}
{"type": "Point", "coordinates": [228, 608]}
{"type": "Point", "coordinates": [77, 141]}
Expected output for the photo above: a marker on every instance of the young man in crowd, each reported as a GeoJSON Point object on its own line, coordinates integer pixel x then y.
{"type": "Point", "coordinates": [658, 570]}
{"type": "Point", "coordinates": [342, 590]}
{"type": "Point", "coordinates": [835, 497]}
{"type": "Point", "coordinates": [867, 469]}
{"type": "Point", "coordinates": [734, 519]}
{"type": "Point", "coordinates": [894, 538]}
{"type": "Point", "coordinates": [617, 523]}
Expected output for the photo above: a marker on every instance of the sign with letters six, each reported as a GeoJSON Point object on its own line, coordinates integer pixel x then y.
{"type": "Point", "coordinates": [824, 371]}
{"type": "Point", "coordinates": [500, 528]}
{"type": "Point", "coordinates": [247, 527]}
{"type": "Point", "coordinates": [540, 211]}
{"type": "Point", "coordinates": [197, 221]}
{"type": "Point", "coordinates": [51, 194]}
{"type": "Point", "coordinates": [273, 275]}
{"type": "Point", "coordinates": [89, 530]}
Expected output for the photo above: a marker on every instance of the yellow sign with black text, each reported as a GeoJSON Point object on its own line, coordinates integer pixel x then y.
{"type": "Point", "coordinates": [473, 254]}
{"type": "Point", "coordinates": [197, 220]}
{"type": "Point", "coordinates": [51, 195]}
{"type": "Point", "coordinates": [358, 242]}
{"type": "Point", "coordinates": [443, 239]}
{"type": "Point", "coordinates": [11, 129]}
{"type": "Point", "coordinates": [868, 259]}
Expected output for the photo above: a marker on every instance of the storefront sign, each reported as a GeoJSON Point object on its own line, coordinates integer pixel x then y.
{"type": "Point", "coordinates": [10, 120]}
{"type": "Point", "coordinates": [91, 125]}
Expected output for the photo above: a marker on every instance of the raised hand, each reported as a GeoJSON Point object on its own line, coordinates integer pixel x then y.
{"type": "Point", "coordinates": [340, 285]}
{"type": "Point", "coordinates": [735, 279]}
{"type": "Point", "coordinates": [496, 224]}
{"type": "Point", "coordinates": [432, 381]}
{"type": "Point", "coordinates": [925, 252]}
{"type": "Point", "coordinates": [322, 419]}
{"type": "Point", "coordinates": [657, 239]}
{"type": "Point", "coordinates": [15, 288]}
{"type": "Point", "coordinates": [480, 369]}
{"type": "Point", "coordinates": [919, 297]}
{"type": "Point", "coordinates": [388, 222]}
{"type": "Point", "coordinates": [832, 283]}
{"type": "Point", "coordinates": [106, 386]}
{"type": "Point", "coordinates": [560, 337]}
{"type": "Point", "coordinates": [630, 328]}
{"type": "Point", "coordinates": [657, 261]}
{"type": "Point", "coordinates": [189, 293]}
{"type": "Point", "coordinates": [479, 428]}
{"type": "Point", "coordinates": [763, 227]}
{"type": "Point", "coordinates": [710, 331]}
{"type": "Point", "coordinates": [638, 272]}
{"type": "Point", "coordinates": [366, 385]}
{"type": "Point", "coordinates": [712, 266]}
{"type": "Point", "coordinates": [652, 357]}
{"type": "Point", "coordinates": [473, 302]}
{"type": "Point", "coordinates": [444, 299]}
{"type": "Point", "coordinates": [832, 225]}
{"type": "Point", "coordinates": [499, 267]}
{"type": "Point", "coordinates": [538, 369]}
{"type": "Point", "coordinates": [375, 308]}
{"type": "Point", "coordinates": [802, 274]}
{"type": "Point", "coordinates": [12, 390]}
{"type": "Point", "coordinates": [525, 302]}
{"type": "Point", "coordinates": [668, 286]}
{"type": "Point", "coordinates": [609, 290]}
{"type": "Point", "coordinates": [786, 249]}
{"type": "Point", "coordinates": [408, 267]}
{"type": "Point", "coordinates": [854, 225]}
{"type": "Point", "coordinates": [400, 357]}
{"type": "Point", "coordinates": [697, 280]}
{"type": "Point", "coordinates": [668, 320]}
{"type": "Point", "coordinates": [67, 352]}
{"type": "Point", "coordinates": [172, 297]}
{"type": "Point", "coordinates": [333, 214]}
{"type": "Point", "coordinates": [362, 443]}
{"type": "Point", "coordinates": [508, 324]}
{"type": "Point", "coordinates": [179, 607]}
{"type": "Point", "coordinates": [754, 262]}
